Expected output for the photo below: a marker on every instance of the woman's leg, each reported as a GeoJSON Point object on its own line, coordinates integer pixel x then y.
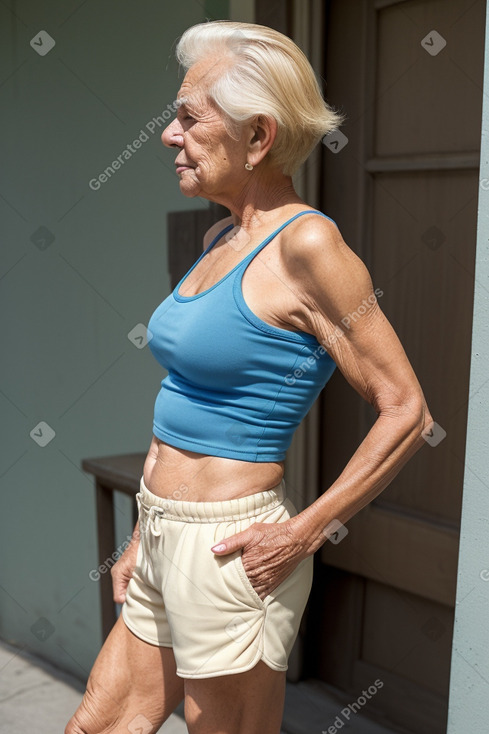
{"type": "Point", "coordinates": [242, 703]}
{"type": "Point", "coordinates": [132, 687]}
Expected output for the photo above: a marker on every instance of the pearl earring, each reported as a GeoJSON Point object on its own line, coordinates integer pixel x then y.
{"type": "Point", "coordinates": [248, 166]}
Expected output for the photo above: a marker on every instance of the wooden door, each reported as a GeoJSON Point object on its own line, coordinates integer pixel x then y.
{"type": "Point", "coordinates": [404, 192]}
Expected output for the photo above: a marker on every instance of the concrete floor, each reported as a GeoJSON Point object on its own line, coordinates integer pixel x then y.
{"type": "Point", "coordinates": [37, 697]}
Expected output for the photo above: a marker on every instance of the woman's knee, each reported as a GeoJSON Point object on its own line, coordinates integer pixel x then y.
{"type": "Point", "coordinates": [80, 724]}
{"type": "Point", "coordinates": [101, 713]}
{"type": "Point", "coordinates": [96, 714]}
{"type": "Point", "coordinates": [74, 726]}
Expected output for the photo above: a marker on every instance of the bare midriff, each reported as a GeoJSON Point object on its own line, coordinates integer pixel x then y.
{"type": "Point", "coordinates": [175, 473]}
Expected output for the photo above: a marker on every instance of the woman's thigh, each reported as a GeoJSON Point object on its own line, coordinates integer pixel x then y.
{"type": "Point", "coordinates": [132, 686]}
{"type": "Point", "coordinates": [242, 703]}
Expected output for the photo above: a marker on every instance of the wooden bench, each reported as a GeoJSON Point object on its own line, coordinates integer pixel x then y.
{"type": "Point", "coordinates": [112, 474]}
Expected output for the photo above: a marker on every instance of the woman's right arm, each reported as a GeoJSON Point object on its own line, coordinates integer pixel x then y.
{"type": "Point", "coordinates": [121, 571]}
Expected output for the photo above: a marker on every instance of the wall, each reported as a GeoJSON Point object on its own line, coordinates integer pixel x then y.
{"type": "Point", "coordinates": [469, 679]}
{"type": "Point", "coordinates": [81, 267]}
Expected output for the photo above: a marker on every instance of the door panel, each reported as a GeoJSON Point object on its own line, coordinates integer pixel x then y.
{"type": "Point", "coordinates": [427, 282]}
{"type": "Point", "coordinates": [418, 94]}
{"type": "Point", "coordinates": [404, 194]}
{"type": "Point", "coordinates": [413, 651]}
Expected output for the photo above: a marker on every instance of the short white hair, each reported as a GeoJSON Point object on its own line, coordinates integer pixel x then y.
{"type": "Point", "coordinates": [268, 75]}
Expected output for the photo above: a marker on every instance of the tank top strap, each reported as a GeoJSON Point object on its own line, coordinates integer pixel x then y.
{"type": "Point", "coordinates": [270, 237]}
{"type": "Point", "coordinates": [217, 238]}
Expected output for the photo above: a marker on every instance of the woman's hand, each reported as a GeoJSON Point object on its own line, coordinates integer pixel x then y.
{"type": "Point", "coordinates": [121, 571]}
{"type": "Point", "coordinates": [271, 551]}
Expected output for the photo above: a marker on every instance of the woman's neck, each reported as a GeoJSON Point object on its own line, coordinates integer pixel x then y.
{"type": "Point", "coordinates": [254, 205]}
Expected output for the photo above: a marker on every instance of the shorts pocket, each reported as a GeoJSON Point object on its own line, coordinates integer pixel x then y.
{"type": "Point", "coordinates": [298, 583]}
{"type": "Point", "coordinates": [247, 585]}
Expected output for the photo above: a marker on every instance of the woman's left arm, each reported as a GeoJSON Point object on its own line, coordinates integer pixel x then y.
{"type": "Point", "coordinates": [343, 311]}
{"type": "Point", "coordinates": [340, 308]}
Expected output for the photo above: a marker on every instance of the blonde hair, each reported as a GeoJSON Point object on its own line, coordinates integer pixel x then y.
{"type": "Point", "coordinates": [269, 75]}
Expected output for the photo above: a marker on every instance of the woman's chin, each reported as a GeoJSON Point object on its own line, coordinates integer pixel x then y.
{"type": "Point", "coordinates": [188, 186]}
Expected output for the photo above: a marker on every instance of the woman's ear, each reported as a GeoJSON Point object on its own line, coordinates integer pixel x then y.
{"type": "Point", "coordinates": [263, 134]}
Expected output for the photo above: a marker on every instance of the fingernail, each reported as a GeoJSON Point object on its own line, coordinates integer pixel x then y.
{"type": "Point", "coordinates": [218, 548]}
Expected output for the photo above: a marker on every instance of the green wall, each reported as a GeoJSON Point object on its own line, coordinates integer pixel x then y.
{"type": "Point", "coordinates": [80, 268]}
{"type": "Point", "coordinates": [469, 677]}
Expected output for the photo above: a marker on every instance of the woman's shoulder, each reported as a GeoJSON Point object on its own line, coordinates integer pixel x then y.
{"type": "Point", "coordinates": [319, 261]}
{"type": "Point", "coordinates": [310, 234]}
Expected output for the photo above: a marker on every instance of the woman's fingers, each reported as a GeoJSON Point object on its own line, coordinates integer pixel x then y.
{"type": "Point", "coordinates": [270, 555]}
{"type": "Point", "coordinates": [121, 573]}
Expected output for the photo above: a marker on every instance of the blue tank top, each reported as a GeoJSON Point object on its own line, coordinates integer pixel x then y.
{"type": "Point", "coordinates": [237, 387]}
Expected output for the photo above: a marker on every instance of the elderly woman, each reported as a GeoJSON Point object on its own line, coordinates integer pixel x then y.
{"type": "Point", "coordinates": [219, 570]}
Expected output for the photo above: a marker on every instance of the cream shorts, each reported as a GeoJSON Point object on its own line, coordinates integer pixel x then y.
{"type": "Point", "coordinates": [182, 595]}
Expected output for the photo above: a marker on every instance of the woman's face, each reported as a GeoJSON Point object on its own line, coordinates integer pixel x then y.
{"type": "Point", "coordinates": [209, 161]}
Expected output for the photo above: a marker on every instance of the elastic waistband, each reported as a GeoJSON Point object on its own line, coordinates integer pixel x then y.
{"type": "Point", "coordinates": [220, 511]}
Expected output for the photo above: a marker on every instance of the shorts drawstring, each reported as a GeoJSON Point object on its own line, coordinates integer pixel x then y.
{"type": "Point", "coordinates": [148, 515]}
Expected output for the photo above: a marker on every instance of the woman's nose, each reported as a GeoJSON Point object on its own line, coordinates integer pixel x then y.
{"type": "Point", "coordinates": [172, 135]}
